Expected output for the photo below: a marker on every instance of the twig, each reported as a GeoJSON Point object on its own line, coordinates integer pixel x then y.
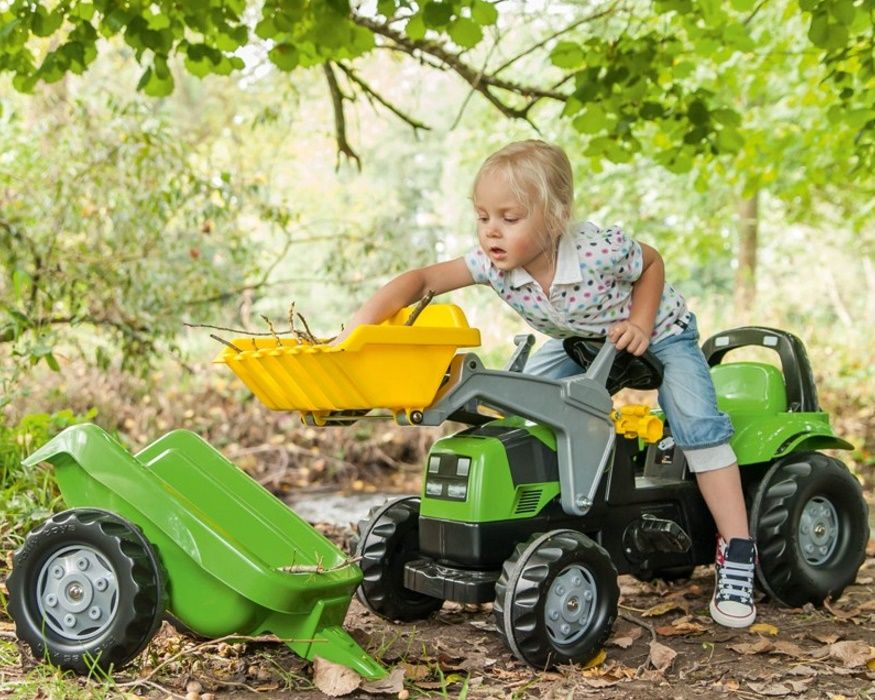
{"type": "Point", "coordinates": [211, 642]}
{"type": "Point", "coordinates": [316, 568]}
{"type": "Point", "coordinates": [371, 93]}
{"type": "Point", "coordinates": [270, 327]}
{"type": "Point", "coordinates": [307, 334]}
{"type": "Point", "coordinates": [225, 342]}
{"type": "Point", "coordinates": [229, 330]}
{"type": "Point", "coordinates": [420, 305]}
{"type": "Point", "coordinates": [634, 619]}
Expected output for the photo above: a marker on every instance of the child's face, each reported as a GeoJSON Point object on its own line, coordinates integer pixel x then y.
{"type": "Point", "coordinates": [509, 234]}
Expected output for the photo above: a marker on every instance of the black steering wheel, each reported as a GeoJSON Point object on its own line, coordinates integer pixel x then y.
{"type": "Point", "coordinates": [628, 371]}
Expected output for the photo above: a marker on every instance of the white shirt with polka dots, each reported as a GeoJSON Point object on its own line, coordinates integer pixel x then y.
{"type": "Point", "coordinates": [591, 290]}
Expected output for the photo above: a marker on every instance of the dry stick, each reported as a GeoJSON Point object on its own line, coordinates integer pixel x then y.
{"type": "Point", "coordinates": [638, 621]}
{"type": "Point", "coordinates": [292, 317]}
{"type": "Point", "coordinates": [225, 342]}
{"type": "Point", "coordinates": [230, 330]}
{"type": "Point", "coordinates": [212, 642]}
{"type": "Point", "coordinates": [420, 305]}
{"type": "Point", "coordinates": [307, 334]}
{"type": "Point", "coordinates": [270, 327]}
{"type": "Point", "coordinates": [317, 568]}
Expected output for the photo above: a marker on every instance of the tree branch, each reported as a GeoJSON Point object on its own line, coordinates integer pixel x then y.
{"type": "Point", "coordinates": [371, 93]}
{"type": "Point", "coordinates": [555, 35]}
{"type": "Point", "coordinates": [476, 79]}
{"type": "Point", "coordinates": [337, 98]}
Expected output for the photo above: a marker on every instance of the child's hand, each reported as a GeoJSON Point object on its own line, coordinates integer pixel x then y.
{"type": "Point", "coordinates": [629, 337]}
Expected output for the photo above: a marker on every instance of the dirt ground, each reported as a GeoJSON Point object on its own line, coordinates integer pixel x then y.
{"type": "Point", "coordinates": [664, 645]}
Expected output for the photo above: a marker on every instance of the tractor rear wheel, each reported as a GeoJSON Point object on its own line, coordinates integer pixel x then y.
{"type": "Point", "coordinates": [811, 525]}
{"type": "Point", "coordinates": [86, 590]}
{"type": "Point", "coordinates": [556, 599]}
{"type": "Point", "coordinates": [388, 539]}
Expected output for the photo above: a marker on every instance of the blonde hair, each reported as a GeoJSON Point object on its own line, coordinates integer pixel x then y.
{"type": "Point", "coordinates": [539, 175]}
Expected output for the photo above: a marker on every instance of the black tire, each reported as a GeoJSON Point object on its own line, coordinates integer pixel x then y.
{"type": "Point", "coordinates": [86, 589]}
{"type": "Point", "coordinates": [811, 525]}
{"type": "Point", "coordinates": [525, 591]}
{"type": "Point", "coordinates": [388, 539]}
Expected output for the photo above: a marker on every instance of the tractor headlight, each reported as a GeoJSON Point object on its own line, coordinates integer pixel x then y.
{"type": "Point", "coordinates": [447, 476]}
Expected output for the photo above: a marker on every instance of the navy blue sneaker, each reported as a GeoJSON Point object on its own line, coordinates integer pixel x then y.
{"type": "Point", "coordinates": [732, 603]}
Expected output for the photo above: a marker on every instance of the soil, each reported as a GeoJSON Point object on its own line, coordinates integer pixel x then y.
{"type": "Point", "coordinates": [663, 645]}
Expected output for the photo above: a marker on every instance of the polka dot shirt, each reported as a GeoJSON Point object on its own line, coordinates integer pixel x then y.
{"type": "Point", "coordinates": [591, 290]}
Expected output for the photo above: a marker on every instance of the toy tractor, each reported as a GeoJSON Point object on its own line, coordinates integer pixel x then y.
{"type": "Point", "coordinates": [540, 511]}
{"type": "Point", "coordinates": [536, 512]}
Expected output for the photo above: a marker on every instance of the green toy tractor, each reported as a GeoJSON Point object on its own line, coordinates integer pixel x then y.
{"type": "Point", "coordinates": [536, 512]}
{"type": "Point", "coordinates": [540, 511]}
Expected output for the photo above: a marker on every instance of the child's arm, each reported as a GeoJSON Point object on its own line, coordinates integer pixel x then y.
{"type": "Point", "coordinates": [407, 289]}
{"type": "Point", "coordinates": [634, 335]}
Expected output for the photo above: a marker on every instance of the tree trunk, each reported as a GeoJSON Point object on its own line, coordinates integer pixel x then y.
{"type": "Point", "coordinates": [745, 276]}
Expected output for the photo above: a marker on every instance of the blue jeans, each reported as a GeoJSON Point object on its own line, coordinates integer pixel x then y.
{"type": "Point", "coordinates": [686, 396]}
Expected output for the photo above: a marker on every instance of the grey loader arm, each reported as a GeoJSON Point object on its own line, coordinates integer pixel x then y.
{"type": "Point", "coordinates": [576, 408]}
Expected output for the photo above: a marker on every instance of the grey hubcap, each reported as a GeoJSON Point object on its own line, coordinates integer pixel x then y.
{"type": "Point", "coordinates": [570, 605]}
{"type": "Point", "coordinates": [818, 530]}
{"type": "Point", "coordinates": [77, 593]}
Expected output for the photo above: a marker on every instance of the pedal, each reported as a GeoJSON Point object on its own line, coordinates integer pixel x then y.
{"type": "Point", "coordinates": [662, 535]}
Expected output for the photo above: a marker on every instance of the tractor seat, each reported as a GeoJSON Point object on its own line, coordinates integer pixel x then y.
{"type": "Point", "coordinates": [628, 371]}
{"type": "Point", "coordinates": [749, 387]}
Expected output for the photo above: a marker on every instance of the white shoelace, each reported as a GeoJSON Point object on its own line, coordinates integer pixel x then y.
{"type": "Point", "coordinates": [736, 579]}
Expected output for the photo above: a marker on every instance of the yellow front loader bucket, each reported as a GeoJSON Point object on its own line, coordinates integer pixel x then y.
{"type": "Point", "coordinates": [388, 366]}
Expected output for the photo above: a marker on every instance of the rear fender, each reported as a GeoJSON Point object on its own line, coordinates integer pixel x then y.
{"type": "Point", "coordinates": [761, 439]}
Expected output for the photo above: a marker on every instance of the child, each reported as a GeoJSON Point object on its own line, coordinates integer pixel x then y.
{"type": "Point", "coordinates": [584, 281]}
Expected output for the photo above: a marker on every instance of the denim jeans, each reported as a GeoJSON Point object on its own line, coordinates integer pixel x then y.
{"type": "Point", "coordinates": [686, 396]}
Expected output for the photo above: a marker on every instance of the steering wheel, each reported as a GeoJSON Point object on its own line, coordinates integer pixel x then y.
{"type": "Point", "coordinates": [628, 371]}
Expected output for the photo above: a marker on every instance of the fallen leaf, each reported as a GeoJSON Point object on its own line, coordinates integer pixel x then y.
{"type": "Point", "coordinates": [415, 672]}
{"type": "Point", "coordinates": [758, 647]}
{"type": "Point", "coordinates": [596, 660]}
{"type": "Point", "coordinates": [333, 679]}
{"type": "Point", "coordinates": [851, 653]}
{"type": "Point", "coordinates": [788, 649]}
{"type": "Point", "coordinates": [824, 637]}
{"type": "Point", "coordinates": [600, 682]}
{"type": "Point", "coordinates": [663, 608]}
{"type": "Point", "coordinates": [390, 685]}
{"type": "Point", "coordinates": [773, 689]}
{"type": "Point", "coordinates": [681, 628]}
{"type": "Point", "coordinates": [764, 628]}
{"type": "Point", "coordinates": [661, 656]}
{"type": "Point", "coordinates": [803, 670]}
{"type": "Point", "coordinates": [626, 638]}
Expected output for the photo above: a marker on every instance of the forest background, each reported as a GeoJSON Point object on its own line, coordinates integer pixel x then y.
{"type": "Point", "coordinates": [161, 167]}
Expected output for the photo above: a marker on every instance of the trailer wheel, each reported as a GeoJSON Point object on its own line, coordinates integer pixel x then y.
{"type": "Point", "coordinates": [810, 521]}
{"type": "Point", "coordinates": [556, 599]}
{"type": "Point", "coordinates": [388, 539]}
{"type": "Point", "coordinates": [86, 590]}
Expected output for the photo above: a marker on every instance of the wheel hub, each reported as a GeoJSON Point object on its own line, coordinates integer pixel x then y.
{"type": "Point", "coordinates": [818, 530]}
{"type": "Point", "coordinates": [570, 604]}
{"type": "Point", "coordinates": [77, 593]}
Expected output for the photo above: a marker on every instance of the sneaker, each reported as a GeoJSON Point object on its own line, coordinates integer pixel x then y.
{"type": "Point", "coordinates": [732, 603]}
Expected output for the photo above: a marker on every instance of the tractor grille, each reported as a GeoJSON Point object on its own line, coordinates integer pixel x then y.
{"type": "Point", "coordinates": [528, 501]}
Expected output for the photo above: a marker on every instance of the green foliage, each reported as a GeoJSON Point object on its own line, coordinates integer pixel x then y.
{"type": "Point", "coordinates": [110, 221]}
{"type": "Point", "coordinates": [644, 76]}
{"type": "Point", "coordinates": [28, 495]}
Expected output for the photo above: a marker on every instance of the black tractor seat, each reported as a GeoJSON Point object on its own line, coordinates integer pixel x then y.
{"type": "Point", "coordinates": [628, 371]}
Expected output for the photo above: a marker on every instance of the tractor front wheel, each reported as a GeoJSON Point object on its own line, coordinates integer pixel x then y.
{"type": "Point", "coordinates": [388, 539]}
{"type": "Point", "coordinates": [86, 590]}
{"type": "Point", "coordinates": [810, 522]}
{"type": "Point", "coordinates": [556, 599]}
